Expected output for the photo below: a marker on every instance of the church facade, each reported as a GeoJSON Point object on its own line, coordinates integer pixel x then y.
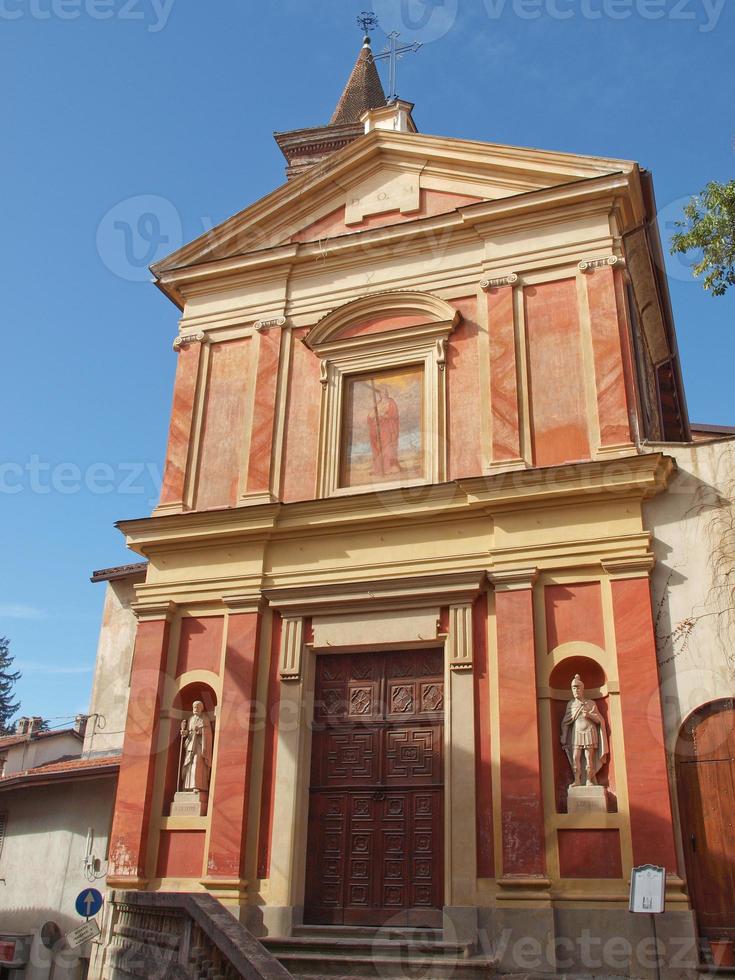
{"type": "Point", "coordinates": [402, 514]}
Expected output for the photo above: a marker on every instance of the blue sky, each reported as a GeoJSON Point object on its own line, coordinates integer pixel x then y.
{"type": "Point", "coordinates": [130, 126]}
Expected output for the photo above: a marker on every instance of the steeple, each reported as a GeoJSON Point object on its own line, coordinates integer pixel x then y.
{"type": "Point", "coordinates": [363, 90]}
{"type": "Point", "coordinates": [303, 148]}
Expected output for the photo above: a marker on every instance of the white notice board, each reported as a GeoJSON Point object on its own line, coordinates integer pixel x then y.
{"type": "Point", "coordinates": [648, 889]}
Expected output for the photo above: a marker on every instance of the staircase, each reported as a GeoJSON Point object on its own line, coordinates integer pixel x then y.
{"type": "Point", "coordinates": [387, 953]}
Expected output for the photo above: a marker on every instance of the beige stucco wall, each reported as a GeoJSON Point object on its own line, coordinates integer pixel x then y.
{"type": "Point", "coordinates": [35, 752]}
{"type": "Point", "coordinates": [41, 863]}
{"type": "Point", "coordinates": [111, 687]}
{"type": "Point", "coordinates": [693, 526]}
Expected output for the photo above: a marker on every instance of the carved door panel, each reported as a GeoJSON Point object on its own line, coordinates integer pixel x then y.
{"type": "Point", "coordinates": [706, 789]}
{"type": "Point", "coordinates": [376, 808]}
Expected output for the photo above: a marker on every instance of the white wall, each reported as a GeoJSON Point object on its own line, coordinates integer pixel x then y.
{"type": "Point", "coordinates": [693, 526]}
{"type": "Point", "coordinates": [111, 687]}
{"type": "Point", "coordinates": [42, 861]}
{"type": "Point", "coordinates": [38, 751]}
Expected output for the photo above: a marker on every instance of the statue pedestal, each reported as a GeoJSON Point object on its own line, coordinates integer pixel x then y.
{"type": "Point", "coordinates": [587, 799]}
{"type": "Point", "coordinates": [190, 803]}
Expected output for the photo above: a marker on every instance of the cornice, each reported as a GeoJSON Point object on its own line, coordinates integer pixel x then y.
{"type": "Point", "coordinates": [481, 158]}
{"type": "Point", "coordinates": [384, 594]}
{"type": "Point", "coordinates": [639, 477]}
{"type": "Point", "coordinates": [481, 218]}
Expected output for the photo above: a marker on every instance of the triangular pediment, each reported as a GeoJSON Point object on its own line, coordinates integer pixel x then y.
{"type": "Point", "coordinates": [384, 178]}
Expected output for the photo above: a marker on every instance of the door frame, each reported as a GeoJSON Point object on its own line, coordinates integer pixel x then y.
{"type": "Point", "coordinates": [301, 641]}
{"type": "Point", "coordinates": [409, 916]}
{"type": "Point", "coordinates": [703, 711]}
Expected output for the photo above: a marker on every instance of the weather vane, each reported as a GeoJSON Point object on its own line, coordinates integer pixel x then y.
{"type": "Point", "coordinates": [367, 21]}
{"type": "Point", "coordinates": [393, 53]}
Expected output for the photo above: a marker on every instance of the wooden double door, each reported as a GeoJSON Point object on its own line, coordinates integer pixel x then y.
{"type": "Point", "coordinates": [376, 806]}
{"type": "Point", "coordinates": [705, 770]}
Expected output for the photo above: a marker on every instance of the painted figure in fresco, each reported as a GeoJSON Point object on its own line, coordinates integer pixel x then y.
{"type": "Point", "coordinates": [584, 736]}
{"type": "Point", "coordinates": [384, 427]}
{"type": "Point", "coordinates": [196, 734]}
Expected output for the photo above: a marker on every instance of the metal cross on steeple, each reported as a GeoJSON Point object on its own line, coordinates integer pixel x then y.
{"type": "Point", "coordinates": [394, 52]}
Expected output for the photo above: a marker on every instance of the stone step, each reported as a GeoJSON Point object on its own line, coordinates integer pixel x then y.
{"type": "Point", "coordinates": [402, 962]}
{"type": "Point", "coordinates": [366, 947]}
{"type": "Point", "coordinates": [422, 933]}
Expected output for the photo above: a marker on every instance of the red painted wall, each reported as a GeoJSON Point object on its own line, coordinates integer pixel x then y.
{"type": "Point", "coordinates": [558, 405]}
{"type": "Point", "coordinates": [301, 443]}
{"type": "Point", "coordinates": [430, 203]}
{"type": "Point", "coordinates": [200, 644]}
{"type": "Point", "coordinates": [221, 455]}
{"type": "Point", "coordinates": [640, 700]}
{"type": "Point", "coordinates": [506, 438]}
{"type": "Point", "coordinates": [612, 402]}
{"type": "Point", "coordinates": [590, 854]}
{"type": "Point", "coordinates": [179, 434]}
{"type": "Point", "coordinates": [181, 854]}
{"type": "Point", "coordinates": [463, 387]}
{"type": "Point", "coordinates": [574, 612]}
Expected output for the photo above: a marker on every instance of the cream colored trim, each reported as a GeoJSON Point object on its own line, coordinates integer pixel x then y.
{"type": "Point", "coordinates": [460, 640]}
{"type": "Point", "coordinates": [419, 592]}
{"type": "Point", "coordinates": [589, 374]}
{"type": "Point", "coordinates": [292, 645]}
{"type": "Point", "coordinates": [423, 346]}
{"type": "Point", "coordinates": [250, 602]}
{"type": "Point", "coordinates": [184, 339]}
{"type": "Point", "coordinates": [634, 567]}
{"type": "Point", "coordinates": [514, 579]}
{"type": "Point", "coordinates": [191, 477]}
{"type": "Point", "coordinates": [609, 261]}
{"type": "Point", "coordinates": [387, 303]}
{"type": "Point", "coordinates": [523, 384]}
{"type": "Point", "coordinates": [151, 612]}
{"type": "Point", "coordinates": [275, 321]}
{"type": "Point", "coordinates": [512, 279]}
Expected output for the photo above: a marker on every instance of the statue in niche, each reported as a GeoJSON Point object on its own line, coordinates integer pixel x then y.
{"type": "Point", "coordinates": [196, 749]}
{"type": "Point", "coordinates": [584, 736]}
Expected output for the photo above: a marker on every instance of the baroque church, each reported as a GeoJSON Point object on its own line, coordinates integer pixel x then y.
{"type": "Point", "coordinates": [397, 658]}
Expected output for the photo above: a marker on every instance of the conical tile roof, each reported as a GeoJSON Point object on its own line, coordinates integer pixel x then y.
{"type": "Point", "coordinates": [363, 91]}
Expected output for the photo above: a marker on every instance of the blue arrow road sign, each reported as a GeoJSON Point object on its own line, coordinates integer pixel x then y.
{"type": "Point", "coordinates": [88, 903]}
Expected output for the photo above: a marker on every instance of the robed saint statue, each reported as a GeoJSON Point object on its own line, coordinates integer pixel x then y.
{"type": "Point", "coordinates": [196, 737]}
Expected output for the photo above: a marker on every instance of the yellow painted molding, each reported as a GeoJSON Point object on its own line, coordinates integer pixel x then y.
{"type": "Point", "coordinates": [184, 823]}
{"type": "Point", "coordinates": [634, 567]}
{"type": "Point", "coordinates": [438, 313]}
{"type": "Point", "coordinates": [637, 476]}
{"type": "Point", "coordinates": [249, 602]}
{"type": "Point", "coordinates": [514, 579]}
{"type": "Point", "coordinates": [383, 594]}
{"type": "Point", "coordinates": [154, 612]}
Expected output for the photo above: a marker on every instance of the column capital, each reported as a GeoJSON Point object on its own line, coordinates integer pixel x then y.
{"type": "Point", "coordinates": [460, 640]}
{"type": "Point", "coordinates": [246, 602]}
{"type": "Point", "coordinates": [292, 643]}
{"type": "Point", "coordinates": [152, 612]}
{"type": "Point", "coordinates": [513, 579]}
{"type": "Point", "coordinates": [637, 566]}
{"type": "Point", "coordinates": [511, 279]}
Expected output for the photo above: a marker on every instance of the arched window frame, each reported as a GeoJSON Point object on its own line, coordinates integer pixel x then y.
{"type": "Point", "coordinates": [423, 344]}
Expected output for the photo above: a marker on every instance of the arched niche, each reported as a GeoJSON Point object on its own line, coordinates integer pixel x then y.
{"type": "Point", "coordinates": [587, 660]}
{"type": "Point", "coordinates": [582, 659]}
{"type": "Point", "coordinates": [191, 689]}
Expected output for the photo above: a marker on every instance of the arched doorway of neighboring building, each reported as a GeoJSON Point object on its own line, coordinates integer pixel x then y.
{"type": "Point", "coordinates": [705, 774]}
